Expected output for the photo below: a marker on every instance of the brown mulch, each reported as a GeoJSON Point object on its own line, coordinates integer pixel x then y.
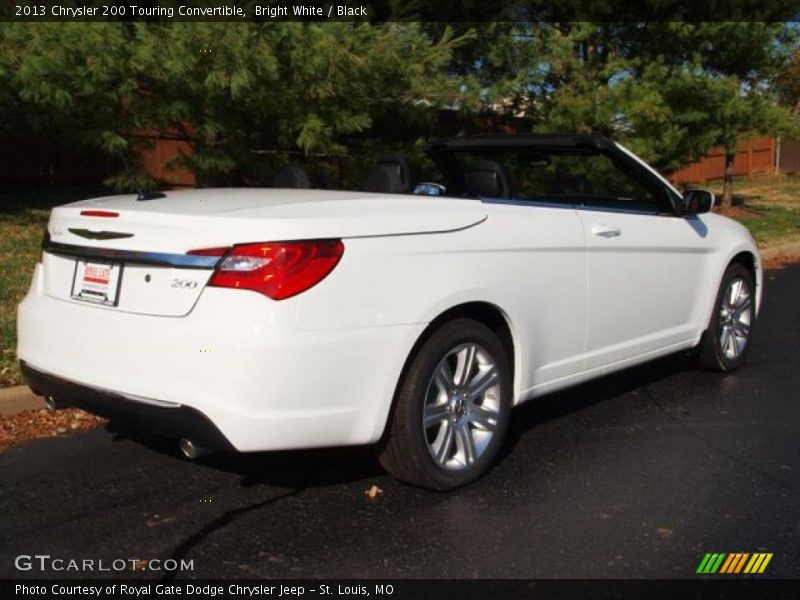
{"type": "Point", "coordinates": [781, 260]}
{"type": "Point", "coordinates": [737, 212]}
{"type": "Point", "coordinates": [42, 423]}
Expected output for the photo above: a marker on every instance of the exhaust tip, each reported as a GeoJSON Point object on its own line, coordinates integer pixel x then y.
{"type": "Point", "coordinates": [51, 403]}
{"type": "Point", "coordinates": [191, 450]}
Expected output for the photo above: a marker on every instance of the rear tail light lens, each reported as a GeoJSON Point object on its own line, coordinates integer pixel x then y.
{"type": "Point", "coordinates": [276, 269]}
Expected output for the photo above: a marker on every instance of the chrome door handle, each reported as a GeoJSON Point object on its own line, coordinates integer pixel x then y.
{"type": "Point", "coordinates": [606, 231]}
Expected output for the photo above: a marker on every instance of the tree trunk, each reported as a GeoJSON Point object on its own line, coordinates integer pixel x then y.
{"type": "Point", "coordinates": [727, 186]}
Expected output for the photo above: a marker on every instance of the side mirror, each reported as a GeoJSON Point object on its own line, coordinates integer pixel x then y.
{"type": "Point", "coordinates": [697, 201]}
{"type": "Point", "coordinates": [428, 188]}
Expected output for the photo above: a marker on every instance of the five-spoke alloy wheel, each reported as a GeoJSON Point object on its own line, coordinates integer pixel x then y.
{"type": "Point", "coordinates": [452, 408]}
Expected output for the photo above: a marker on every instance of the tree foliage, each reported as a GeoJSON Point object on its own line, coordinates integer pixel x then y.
{"type": "Point", "coordinates": [227, 87]}
{"type": "Point", "coordinates": [670, 90]}
{"type": "Point", "coordinates": [787, 83]}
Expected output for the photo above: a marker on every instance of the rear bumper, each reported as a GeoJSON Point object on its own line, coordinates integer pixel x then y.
{"type": "Point", "coordinates": [173, 420]}
{"type": "Point", "coordinates": [238, 359]}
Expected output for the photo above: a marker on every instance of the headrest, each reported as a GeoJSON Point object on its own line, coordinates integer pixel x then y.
{"type": "Point", "coordinates": [291, 176]}
{"type": "Point", "coordinates": [390, 176]}
{"type": "Point", "coordinates": [486, 178]}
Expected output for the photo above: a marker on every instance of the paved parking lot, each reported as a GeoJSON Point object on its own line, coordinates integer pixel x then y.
{"type": "Point", "coordinates": [637, 475]}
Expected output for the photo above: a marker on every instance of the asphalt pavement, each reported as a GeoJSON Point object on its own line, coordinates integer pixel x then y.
{"type": "Point", "coordinates": [637, 475]}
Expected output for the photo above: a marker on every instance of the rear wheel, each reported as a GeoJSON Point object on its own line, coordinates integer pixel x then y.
{"type": "Point", "coordinates": [726, 342]}
{"type": "Point", "coordinates": [452, 408]}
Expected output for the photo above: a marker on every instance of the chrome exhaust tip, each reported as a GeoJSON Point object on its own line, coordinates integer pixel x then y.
{"type": "Point", "coordinates": [51, 403]}
{"type": "Point", "coordinates": [191, 450]}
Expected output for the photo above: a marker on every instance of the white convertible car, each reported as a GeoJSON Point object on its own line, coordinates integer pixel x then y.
{"type": "Point", "coordinates": [412, 316]}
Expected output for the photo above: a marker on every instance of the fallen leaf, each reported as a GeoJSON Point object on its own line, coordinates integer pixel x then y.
{"type": "Point", "coordinates": [664, 532]}
{"type": "Point", "coordinates": [373, 491]}
{"type": "Point", "coordinates": [32, 424]}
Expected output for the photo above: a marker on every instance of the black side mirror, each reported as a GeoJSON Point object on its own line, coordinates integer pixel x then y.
{"type": "Point", "coordinates": [697, 201]}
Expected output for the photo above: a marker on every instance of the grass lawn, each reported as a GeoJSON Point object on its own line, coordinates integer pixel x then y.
{"type": "Point", "coordinates": [769, 206]}
{"type": "Point", "coordinates": [23, 217]}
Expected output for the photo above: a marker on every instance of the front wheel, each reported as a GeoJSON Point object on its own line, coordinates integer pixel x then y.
{"type": "Point", "coordinates": [452, 408]}
{"type": "Point", "coordinates": [726, 341]}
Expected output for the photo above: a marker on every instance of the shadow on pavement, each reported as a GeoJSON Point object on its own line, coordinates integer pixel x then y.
{"type": "Point", "coordinates": [331, 466]}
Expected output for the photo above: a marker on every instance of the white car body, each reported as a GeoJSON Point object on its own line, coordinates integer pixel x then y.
{"type": "Point", "coordinates": [583, 292]}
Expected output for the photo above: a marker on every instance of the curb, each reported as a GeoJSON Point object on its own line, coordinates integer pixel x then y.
{"type": "Point", "coordinates": [15, 399]}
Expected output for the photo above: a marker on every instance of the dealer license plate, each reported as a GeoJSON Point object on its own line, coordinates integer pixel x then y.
{"type": "Point", "coordinates": [97, 282]}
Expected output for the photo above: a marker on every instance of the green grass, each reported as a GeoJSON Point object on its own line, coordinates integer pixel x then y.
{"type": "Point", "coordinates": [771, 225]}
{"type": "Point", "coordinates": [783, 190]}
{"type": "Point", "coordinates": [768, 206]}
{"type": "Point", "coordinates": [23, 217]}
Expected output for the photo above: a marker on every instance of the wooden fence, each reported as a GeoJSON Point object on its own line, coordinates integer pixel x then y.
{"type": "Point", "coordinates": [754, 156]}
{"type": "Point", "coordinates": [47, 160]}
{"type": "Point", "coordinates": [156, 150]}
{"type": "Point", "coordinates": [789, 156]}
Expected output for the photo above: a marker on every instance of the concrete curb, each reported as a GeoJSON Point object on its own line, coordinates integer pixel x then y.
{"type": "Point", "coordinates": [15, 399]}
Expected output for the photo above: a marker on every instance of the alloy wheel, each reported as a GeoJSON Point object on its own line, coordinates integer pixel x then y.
{"type": "Point", "coordinates": [735, 318]}
{"type": "Point", "coordinates": [462, 406]}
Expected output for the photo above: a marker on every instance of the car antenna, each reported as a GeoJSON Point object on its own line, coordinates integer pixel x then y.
{"type": "Point", "coordinates": [142, 193]}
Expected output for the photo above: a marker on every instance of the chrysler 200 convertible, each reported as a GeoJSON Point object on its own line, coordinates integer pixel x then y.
{"type": "Point", "coordinates": [410, 315]}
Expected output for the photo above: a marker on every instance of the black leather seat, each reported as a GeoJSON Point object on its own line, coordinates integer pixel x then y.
{"type": "Point", "coordinates": [486, 178]}
{"type": "Point", "coordinates": [291, 176]}
{"type": "Point", "coordinates": [390, 176]}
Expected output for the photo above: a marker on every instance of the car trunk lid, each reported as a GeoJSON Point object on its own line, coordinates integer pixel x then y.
{"type": "Point", "coordinates": [125, 254]}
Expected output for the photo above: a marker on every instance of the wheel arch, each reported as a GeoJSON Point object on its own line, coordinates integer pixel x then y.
{"type": "Point", "coordinates": [749, 258]}
{"type": "Point", "coordinates": [707, 351]}
{"type": "Point", "coordinates": [486, 313]}
{"type": "Point", "coordinates": [752, 262]}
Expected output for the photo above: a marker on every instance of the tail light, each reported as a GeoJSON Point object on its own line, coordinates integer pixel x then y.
{"type": "Point", "coordinates": [276, 269]}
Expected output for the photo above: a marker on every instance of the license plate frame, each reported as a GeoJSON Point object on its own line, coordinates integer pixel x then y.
{"type": "Point", "coordinates": [97, 281]}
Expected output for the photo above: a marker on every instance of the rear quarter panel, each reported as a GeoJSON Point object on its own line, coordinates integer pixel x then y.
{"type": "Point", "coordinates": [528, 261]}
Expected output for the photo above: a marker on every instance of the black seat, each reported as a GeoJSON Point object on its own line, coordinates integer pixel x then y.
{"type": "Point", "coordinates": [390, 176]}
{"type": "Point", "coordinates": [486, 178]}
{"type": "Point", "coordinates": [291, 176]}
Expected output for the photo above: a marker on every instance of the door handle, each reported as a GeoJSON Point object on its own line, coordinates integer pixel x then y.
{"type": "Point", "coordinates": [606, 231]}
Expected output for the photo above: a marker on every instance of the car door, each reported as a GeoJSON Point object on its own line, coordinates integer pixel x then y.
{"type": "Point", "coordinates": [543, 275]}
{"type": "Point", "coordinates": [645, 270]}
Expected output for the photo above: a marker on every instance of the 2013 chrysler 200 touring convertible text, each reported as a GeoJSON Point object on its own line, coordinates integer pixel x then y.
{"type": "Point", "coordinates": [412, 318]}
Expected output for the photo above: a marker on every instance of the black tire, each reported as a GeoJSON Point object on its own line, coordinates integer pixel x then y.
{"type": "Point", "coordinates": [407, 453]}
{"type": "Point", "coordinates": [710, 353]}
